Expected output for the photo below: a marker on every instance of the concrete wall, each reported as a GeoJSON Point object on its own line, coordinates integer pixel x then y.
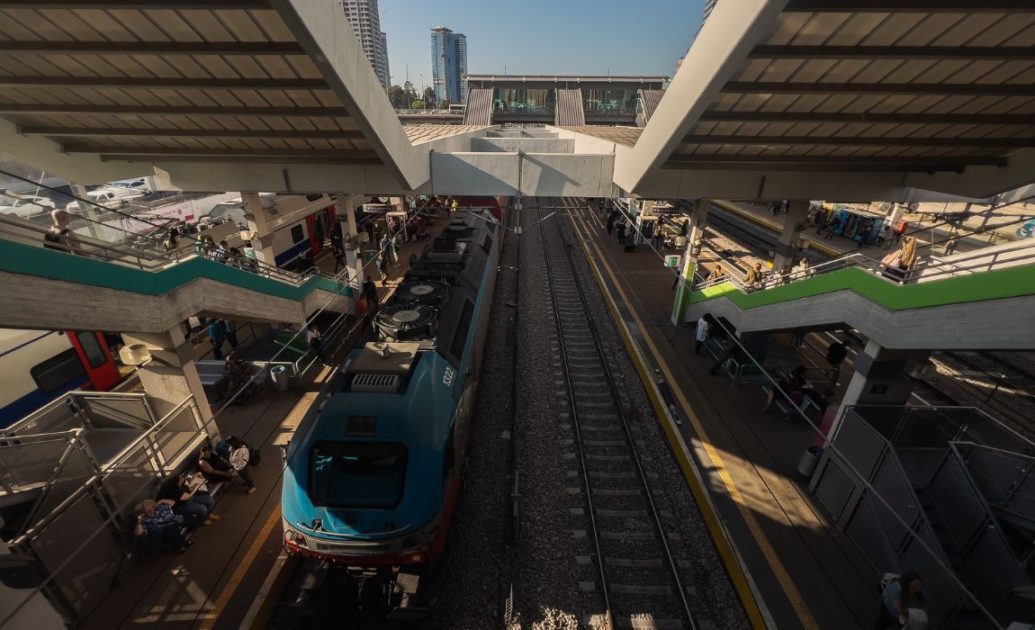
{"type": "Point", "coordinates": [528, 145]}
{"type": "Point", "coordinates": [30, 303]}
{"type": "Point", "coordinates": [541, 174]}
{"type": "Point", "coordinates": [556, 175]}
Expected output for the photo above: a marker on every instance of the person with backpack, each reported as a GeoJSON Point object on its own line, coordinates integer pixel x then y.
{"type": "Point", "coordinates": [60, 237]}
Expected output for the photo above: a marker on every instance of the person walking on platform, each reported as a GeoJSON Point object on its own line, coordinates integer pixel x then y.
{"type": "Point", "coordinates": [753, 277]}
{"type": "Point", "coordinates": [621, 233]}
{"type": "Point", "coordinates": [217, 337]}
{"type": "Point", "coordinates": [701, 333]}
{"type": "Point", "coordinates": [370, 293]}
{"type": "Point", "coordinates": [315, 341]}
{"type": "Point", "coordinates": [610, 224]}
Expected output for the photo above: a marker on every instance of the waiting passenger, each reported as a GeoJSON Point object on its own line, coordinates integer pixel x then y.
{"type": "Point", "coordinates": [238, 376]}
{"type": "Point", "coordinates": [315, 341]}
{"type": "Point", "coordinates": [235, 258]}
{"type": "Point", "coordinates": [620, 229]}
{"type": "Point", "coordinates": [217, 468]}
{"type": "Point", "coordinates": [221, 253]}
{"type": "Point", "coordinates": [793, 385]}
{"type": "Point", "coordinates": [897, 265]}
{"type": "Point", "coordinates": [370, 293]}
{"type": "Point", "coordinates": [205, 246]}
{"type": "Point", "coordinates": [802, 270]}
{"type": "Point", "coordinates": [60, 237]}
{"type": "Point", "coordinates": [190, 498]}
{"type": "Point", "coordinates": [157, 522]}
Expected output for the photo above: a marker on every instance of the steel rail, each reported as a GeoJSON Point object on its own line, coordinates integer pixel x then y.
{"type": "Point", "coordinates": [623, 420]}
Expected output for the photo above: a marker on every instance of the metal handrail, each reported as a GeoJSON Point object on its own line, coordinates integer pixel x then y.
{"type": "Point", "coordinates": [149, 260]}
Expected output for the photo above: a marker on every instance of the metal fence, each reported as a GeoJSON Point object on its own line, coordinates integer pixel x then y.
{"type": "Point", "coordinates": [78, 529]}
{"type": "Point", "coordinates": [929, 514]}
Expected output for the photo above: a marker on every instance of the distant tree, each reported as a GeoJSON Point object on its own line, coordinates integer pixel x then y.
{"type": "Point", "coordinates": [429, 95]}
{"type": "Point", "coordinates": [443, 104]}
{"type": "Point", "coordinates": [397, 96]}
{"type": "Point", "coordinates": [417, 104]}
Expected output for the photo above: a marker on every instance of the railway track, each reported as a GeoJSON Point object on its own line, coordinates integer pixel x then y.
{"type": "Point", "coordinates": [632, 566]}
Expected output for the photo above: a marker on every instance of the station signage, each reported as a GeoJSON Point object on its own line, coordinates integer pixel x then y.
{"type": "Point", "coordinates": [377, 208]}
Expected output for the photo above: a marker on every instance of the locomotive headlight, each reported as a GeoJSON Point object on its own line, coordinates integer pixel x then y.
{"type": "Point", "coordinates": [295, 537]}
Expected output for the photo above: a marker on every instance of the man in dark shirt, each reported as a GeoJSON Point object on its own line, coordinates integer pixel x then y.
{"type": "Point", "coordinates": [836, 353]}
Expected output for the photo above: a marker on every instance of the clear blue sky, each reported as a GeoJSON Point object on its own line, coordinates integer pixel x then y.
{"type": "Point", "coordinates": [543, 36]}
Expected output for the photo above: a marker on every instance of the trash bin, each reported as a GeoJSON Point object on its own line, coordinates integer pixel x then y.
{"type": "Point", "coordinates": [279, 376]}
{"type": "Point", "coordinates": [808, 461]}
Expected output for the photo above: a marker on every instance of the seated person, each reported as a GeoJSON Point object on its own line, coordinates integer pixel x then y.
{"type": "Point", "coordinates": [792, 384]}
{"type": "Point", "coordinates": [157, 522]}
{"type": "Point", "coordinates": [217, 467]}
{"type": "Point", "coordinates": [190, 498]}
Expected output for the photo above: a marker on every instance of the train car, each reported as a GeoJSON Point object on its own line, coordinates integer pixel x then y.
{"type": "Point", "coordinates": [372, 479]}
{"type": "Point", "coordinates": [37, 366]}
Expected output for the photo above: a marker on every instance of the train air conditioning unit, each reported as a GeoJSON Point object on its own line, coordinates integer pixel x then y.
{"type": "Point", "coordinates": [427, 292]}
{"type": "Point", "coordinates": [406, 322]}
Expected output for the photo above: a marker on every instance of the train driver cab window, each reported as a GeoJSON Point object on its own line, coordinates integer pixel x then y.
{"type": "Point", "coordinates": [357, 474]}
{"type": "Point", "coordinates": [92, 349]}
{"type": "Point", "coordinates": [297, 234]}
{"type": "Point", "coordinates": [58, 371]}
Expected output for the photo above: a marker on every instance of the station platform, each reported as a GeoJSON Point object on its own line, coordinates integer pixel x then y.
{"type": "Point", "coordinates": [230, 576]}
{"type": "Point", "coordinates": [807, 574]}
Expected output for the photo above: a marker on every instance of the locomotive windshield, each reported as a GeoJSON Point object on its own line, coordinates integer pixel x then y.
{"type": "Point", "coordinates": [357, 474]}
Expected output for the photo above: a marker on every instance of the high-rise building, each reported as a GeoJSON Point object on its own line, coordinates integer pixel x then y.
{"type": "Point", "coordinates": [366, 23]}
{"type": "Point", "coordinates": [448, 65]}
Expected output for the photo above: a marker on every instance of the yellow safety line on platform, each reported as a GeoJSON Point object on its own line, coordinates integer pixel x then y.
{"type": "Point", "coordinates": [231, 586]}
{"type": "Point", "coordinates": [723, 544]}
{"type": "Point", "coordinates": [776, 227]}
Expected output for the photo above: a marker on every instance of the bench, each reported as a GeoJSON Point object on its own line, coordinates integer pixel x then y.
{"type": "Point", "coordinates": [786, 407]}
{"type": "Point", "coordinates": [211, 372]}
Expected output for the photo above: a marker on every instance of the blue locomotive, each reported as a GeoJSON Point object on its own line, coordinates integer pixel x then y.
{"type": "Point", "coordinates": [372, 479]}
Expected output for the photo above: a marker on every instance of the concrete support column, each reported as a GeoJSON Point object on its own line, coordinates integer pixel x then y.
{"type": "Point", "coordinates": [880, 378]}
{"type": "Point", "coordinates": [347, 205]}
{"type": "Point", "coordinates": [259, 226]}
{"type": "Point", "coordinates": [171, 376]}
{"type": "Point", "coordinates": [790, 241]}
{"type": "Point", "coordinates": [698, 222]}
{"type": "Point", "coordinates": [88, 211]}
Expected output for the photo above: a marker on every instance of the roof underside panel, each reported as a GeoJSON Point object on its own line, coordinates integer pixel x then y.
{"type": "Point", "coordinates": [176, 81]}
{"type": "Point", "coordinates": [923, 91]}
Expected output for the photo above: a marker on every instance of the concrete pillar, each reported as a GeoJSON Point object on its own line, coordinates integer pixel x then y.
{"type": "Point", "coordinates": [171, 376]}
{"type": "Point", "coordinates": [259, 226]}
{"type": "Point", "coordinates": [88, 211]}
{"type": "Point", "coordinates": [790, 242]}
{"type": "Point", "coordinates": [347, 205]}
{"type": "Point", "coordinates": [880, 377]}
{"type": "Point", "coordinates": [698, 222]}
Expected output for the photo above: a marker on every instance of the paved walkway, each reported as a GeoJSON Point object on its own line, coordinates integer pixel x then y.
{"type": "Point", "coordinates": [809, 575]}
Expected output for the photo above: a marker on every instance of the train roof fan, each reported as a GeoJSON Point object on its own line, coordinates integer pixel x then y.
{"type": "Point", "coordinates": [405, 322]}
{"type": "Point", "coordinates": [422, 291]}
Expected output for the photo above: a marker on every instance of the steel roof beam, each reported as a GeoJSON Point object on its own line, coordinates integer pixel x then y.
{"type": "Point", "coordinates": [999, 53]}
{"type": "Point", "coordinates": [861, 141]}
{"type": "Point", "coordinates": [885, 166]}
{"type": "Point", "coordinates": [159, 152]}
{"type": "Point", "coordinates": [330, 134]}
{"type": "Point", "coordinates": [160, 83]}
{"type": "Point", "coordinates": [145, 5]}
{"type": "Point", "coordinates": [822, 162]}
{"type": "Point", "coordinates": [168, 110]}
{"type": "Point", "coordinates": [866, 117]}
{"type": "Point", "coordinates": [151, 48]}
{"type": "Point", "coordinates": [236, 159]}
{"type": "Point", "coordinates": [948, 89]}
{"type": "Point", "coordinates": [909, 6]}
